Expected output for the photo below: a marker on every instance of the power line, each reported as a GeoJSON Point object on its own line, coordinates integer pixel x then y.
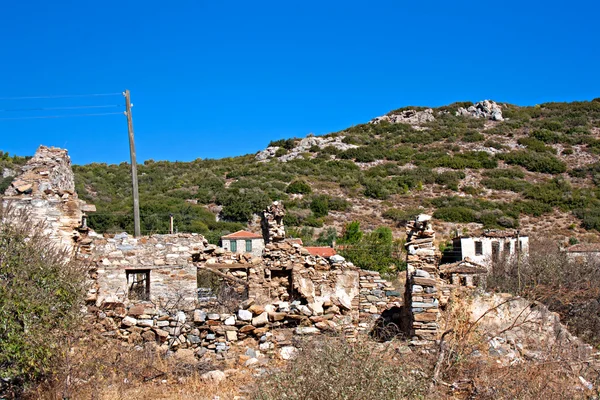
{"type": "Point", "coordinates": [59, 108]}
{"type": "Point", "coordinates": [63, 116]}
{"type": "Point", "coordinates": [60, 96]}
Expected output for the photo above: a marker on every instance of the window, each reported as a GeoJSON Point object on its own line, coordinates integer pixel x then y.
{"type": "Point", "coordinates": [478, 248]}
{"type": "Point", "coordinates": [138, 282]}
{"type": "Point", "coordinates": [248, 246]}
{"type": "Point", "coordinates": [520, 246]}
{"type": "Point", "coordinates": [495, 251]}
{"type": "Point", "coordinates": [507, 247]}
{"type": "Point", "coordinates": [233, 246]}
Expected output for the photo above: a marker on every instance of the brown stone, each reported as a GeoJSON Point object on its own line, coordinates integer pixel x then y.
{"type": "Point", "coordinates": [136, 310]}
{"type": "Point", "coordinates": [261, 331]}
{"type": "Point", "coordinates": [425, 317]}
{"type": "Point", "coordinates": [424, 281]}
{"type": "Point", "coordinates": [149, 336]}
{"type": "Point", "coordinates": [256, 309]}
{"type": "Point", "coordinates": [247, 328]}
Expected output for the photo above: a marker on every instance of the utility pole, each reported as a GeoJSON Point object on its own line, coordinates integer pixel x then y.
{"type": "Point", "coordinates": [134, 178]}
{"type": "Point", "coordinates": [171, 224]}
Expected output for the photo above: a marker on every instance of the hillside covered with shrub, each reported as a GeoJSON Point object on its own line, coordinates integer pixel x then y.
{"type": "Point", "coordinates": [536, 166]}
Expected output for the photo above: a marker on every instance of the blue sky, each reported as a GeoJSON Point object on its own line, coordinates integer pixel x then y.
{"type": "Point", "coordinates": [223, 78]}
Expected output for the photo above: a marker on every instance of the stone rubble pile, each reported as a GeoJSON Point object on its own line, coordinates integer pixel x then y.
{"type": "Point", "coordinates": [422, 279]}
{"type": "Point", "coordinates": [410, 117]}
{"type": "Point", "coordinates": [484, 109]}
{"type": "Point", "coordinates": [303, 147]}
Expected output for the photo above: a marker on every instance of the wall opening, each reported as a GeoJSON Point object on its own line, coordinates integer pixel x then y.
{"type": "Point", "coordinates": [138, 282]}
{"type": "Point", "coordinates": [478, 248]}
{"type": "Point", "coordinates": [218, 292]}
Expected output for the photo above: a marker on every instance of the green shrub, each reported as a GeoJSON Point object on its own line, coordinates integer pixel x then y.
{"type": "Point", "coordinates": [535, 162]}
{"type": "Point", "coordinates": [455, 214]}
{"type": "Point", "coordinates": [472, 137]}
{"type": "Point", "coordinates": [536, 145]}
{"type": "Point", "coordinates": [298, 187]}
{"type": "Point", "coordinates": [320, 206]}
{"type": "Point", "coordinates": [281, 152]}
{"type": "Point", "coordinates": [41, 293]}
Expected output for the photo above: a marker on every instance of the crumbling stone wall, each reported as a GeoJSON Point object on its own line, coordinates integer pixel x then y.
{"type": "Point", "coordinates": [167, 258]}
{"type": "Point", "coordinates": [272, 222]}
{"type": "Point", "coordinates": [45, 191]}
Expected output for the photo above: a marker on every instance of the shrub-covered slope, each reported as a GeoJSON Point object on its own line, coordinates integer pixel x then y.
{"type": "Point", "coordinates": [536, 169]}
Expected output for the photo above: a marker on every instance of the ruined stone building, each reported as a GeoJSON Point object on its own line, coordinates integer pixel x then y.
{"type": "Point", "coordinates": [181, 292]}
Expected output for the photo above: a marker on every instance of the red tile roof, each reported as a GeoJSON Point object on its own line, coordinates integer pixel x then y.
{"type": "Point", "coordinates": [321, 251]}
{"type": "Point", "coordinates": [242, 235]}
{"type": "Point", "coordinates": [295, 241]}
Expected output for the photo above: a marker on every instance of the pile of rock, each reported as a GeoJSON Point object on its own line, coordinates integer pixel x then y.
{"type": "Point", "coordinates": [421, 296]}
{"type": "Point", "coordinates": [484, 109]}
{"type": "Point", "coordinates": [410, 117]}
{"type": "Point", "coordinates": [202, 330]}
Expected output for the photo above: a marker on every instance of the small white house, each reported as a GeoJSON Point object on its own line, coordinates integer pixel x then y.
{"type": "Point", "coordinates": [490, 247]}
{"type": "Point", "coordinates": [243, 242]}
{"type": "Point", "coordinates": [584, 253]}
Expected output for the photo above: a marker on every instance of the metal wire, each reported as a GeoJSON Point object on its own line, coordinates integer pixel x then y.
{"type": "Point", "coordinates": [62, 116]}
{"type": "Point", "coordinates": [59, 108]}
{"type": "Point", "coordinates": [60, 96]}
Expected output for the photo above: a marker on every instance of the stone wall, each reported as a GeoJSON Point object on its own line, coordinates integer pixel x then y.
{"type": "Point", "coordinates": [45, 191]}
{"type": "Point", "coordinates": [422, 280]}
{"type": "Point", "coordinates": [167, 258]}
{"type": "Point", "coordinates": [287, 292]}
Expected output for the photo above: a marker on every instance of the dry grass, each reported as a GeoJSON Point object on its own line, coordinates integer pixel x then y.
{"type": "Point", "coordinates": [103, 370]}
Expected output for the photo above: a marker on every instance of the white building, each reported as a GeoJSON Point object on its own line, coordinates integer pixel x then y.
{"type": "Point", "coordinates": [584, 253]}
{"type": "Point", "coordinates": [489, 247]}
{"type": "Point", "coordinates": [243, 242]}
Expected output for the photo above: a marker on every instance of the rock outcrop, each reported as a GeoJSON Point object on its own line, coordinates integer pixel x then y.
{"type": "Point", "coordinates": [484, 109]}
{"type": "Point", "coordinates": [410, 117]}
{"type": "Point", "coordinates": [303, 147]}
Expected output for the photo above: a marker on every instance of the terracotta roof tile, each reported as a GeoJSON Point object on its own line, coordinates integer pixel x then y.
{"type": "Point", "coordinates": [321, 251]}
{"type": "Point", "coordinates": [242, 235]}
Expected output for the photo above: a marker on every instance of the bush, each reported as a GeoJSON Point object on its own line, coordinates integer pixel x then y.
{"type": "Point", "coordinates": [535, 162]}
{"type": "Point", "coordinates": [564, 285]}
{"type": "Point", "coordinates": [331, 368]}
{"type": "Point", "coordinates": [41, 292]}
{"type": "Point", "coordinates": [320, 206]}
{"type": "Point", "coordinates": [298, 187]}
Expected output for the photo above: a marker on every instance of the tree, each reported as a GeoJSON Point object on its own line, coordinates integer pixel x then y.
{"type": "Point", "coordinates": [373, 251]}
{"type": "Point", "coordinates": [352, 233]}
{"type": "Point", "coordinates": [41, 294]}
